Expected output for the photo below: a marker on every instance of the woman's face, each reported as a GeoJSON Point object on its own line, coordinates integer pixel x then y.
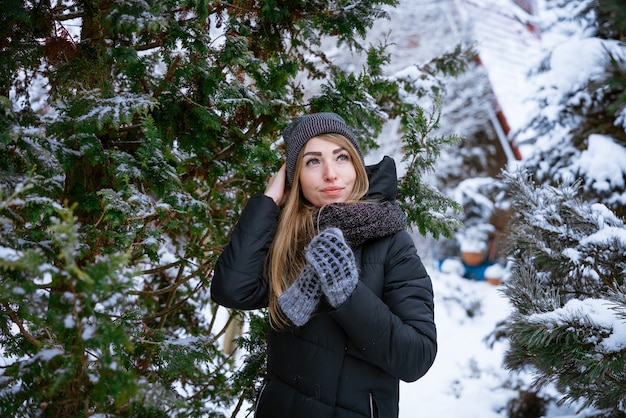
{"type": "Point", "coordinates": [327, 173]}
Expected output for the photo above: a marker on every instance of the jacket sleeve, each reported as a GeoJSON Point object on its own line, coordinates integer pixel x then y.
{"type": "Point", "coordinates": [396, 332]}
{"type": "Point", "coordinates": [238, 280]}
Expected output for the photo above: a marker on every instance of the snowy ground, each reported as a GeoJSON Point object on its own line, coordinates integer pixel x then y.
{"type": "Point", "coordinates": [466, 378]}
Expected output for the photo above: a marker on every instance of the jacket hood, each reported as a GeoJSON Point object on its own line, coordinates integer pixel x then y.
{"type": "Point", "coordinates": [383, 180]}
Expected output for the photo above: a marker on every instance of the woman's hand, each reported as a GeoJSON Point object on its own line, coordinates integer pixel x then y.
{"type": "Point", "coordinates": [277, 187]}
{"type": "Point", "coordinates": [333, 262]}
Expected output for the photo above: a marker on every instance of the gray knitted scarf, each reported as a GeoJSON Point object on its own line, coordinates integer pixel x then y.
{"type": "Point", "coordinates": [360, 222]}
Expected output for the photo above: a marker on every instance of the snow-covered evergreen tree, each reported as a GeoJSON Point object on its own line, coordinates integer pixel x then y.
{"type": "Point", "coordinates": [568, 290]}
{"type": "Point", "coordinates": [579, 128]}
{"type": "Point", "coordinates": [131, 133]}
{"type": "Point", "coordinates": [568, 237]}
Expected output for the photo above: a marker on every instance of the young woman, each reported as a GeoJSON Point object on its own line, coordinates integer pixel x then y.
{"type": "Point", "coordinates": [350, 303]}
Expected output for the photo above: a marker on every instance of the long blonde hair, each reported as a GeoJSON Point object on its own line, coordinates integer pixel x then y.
{"type": "Point", "coordinates": [296, 228]}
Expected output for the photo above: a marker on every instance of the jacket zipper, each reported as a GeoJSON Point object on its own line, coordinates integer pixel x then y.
{"type": "Point", "coordinates": [373, 406]}
{"type": "Point", "coordinates": [258, 398]}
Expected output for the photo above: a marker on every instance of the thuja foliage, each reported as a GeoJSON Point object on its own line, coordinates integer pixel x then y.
{"type": "Point", "coordinates": [568, 291]}
{"type": "Point", "coordinates": [425, 206]}
{"type": "Point", "coordinates": [131, 135]}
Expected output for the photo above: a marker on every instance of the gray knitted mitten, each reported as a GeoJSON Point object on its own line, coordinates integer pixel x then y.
{"type": "Point", "coordinates": [334, 264]}
{"type": "Point", "coordinates": [299, 301]}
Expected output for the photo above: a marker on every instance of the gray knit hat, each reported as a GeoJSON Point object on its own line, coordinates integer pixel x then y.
{"type": "Point", "coordinates": [298, 132]}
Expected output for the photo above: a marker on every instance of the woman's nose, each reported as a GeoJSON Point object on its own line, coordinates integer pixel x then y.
{"type": "Point", "coordinates": [329, 172]}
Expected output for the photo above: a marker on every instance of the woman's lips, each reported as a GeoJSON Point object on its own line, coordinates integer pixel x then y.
{"type": "Point", "coordinates": [332, 191]}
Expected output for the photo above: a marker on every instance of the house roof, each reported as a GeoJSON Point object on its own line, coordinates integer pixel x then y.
{"type": "Point", "coordinates": [508, 44]}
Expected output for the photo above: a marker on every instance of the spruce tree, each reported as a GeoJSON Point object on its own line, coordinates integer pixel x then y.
{"type": "Point", "coordinates": [568, 291]}
{"type": "Point", "coordinates": [131, 135]}
{"type": "Point", "coordinates": [568, 237]}
{"type": "Point", "coordinates": [573, 121]}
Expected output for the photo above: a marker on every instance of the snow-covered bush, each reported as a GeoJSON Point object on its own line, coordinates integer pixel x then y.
{"type": "Point", "coordinates": [568, 289]}
{"type": "Point", "coordinates": [567, 243]}
{"type": "Point", "coordinates": [483, 201]}
{"type": "Point", "coordinates": [577, 131]}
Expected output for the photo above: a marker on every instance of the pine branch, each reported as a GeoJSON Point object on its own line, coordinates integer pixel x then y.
{"type": "Point", "coordinates": [16, 320]}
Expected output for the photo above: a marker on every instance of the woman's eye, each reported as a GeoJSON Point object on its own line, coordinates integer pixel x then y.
{"type": "Point", "coordinates": [343, 157]}
{"type": "Point", "coordinates": [312, 161]}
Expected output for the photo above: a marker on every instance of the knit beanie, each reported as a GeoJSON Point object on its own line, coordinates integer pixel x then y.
{"type": "Point", "coordinates": [298, 132]}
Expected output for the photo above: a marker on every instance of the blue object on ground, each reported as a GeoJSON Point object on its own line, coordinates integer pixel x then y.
{"type": "Point", "coordinates": [476, 272]}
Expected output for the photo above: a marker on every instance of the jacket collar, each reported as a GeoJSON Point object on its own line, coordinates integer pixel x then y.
{"type": "Point", "coordinates": [383, 180]}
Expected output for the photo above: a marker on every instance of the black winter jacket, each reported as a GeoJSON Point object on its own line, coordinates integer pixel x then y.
{"type": "Point", "coordinates": [345, 362]}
